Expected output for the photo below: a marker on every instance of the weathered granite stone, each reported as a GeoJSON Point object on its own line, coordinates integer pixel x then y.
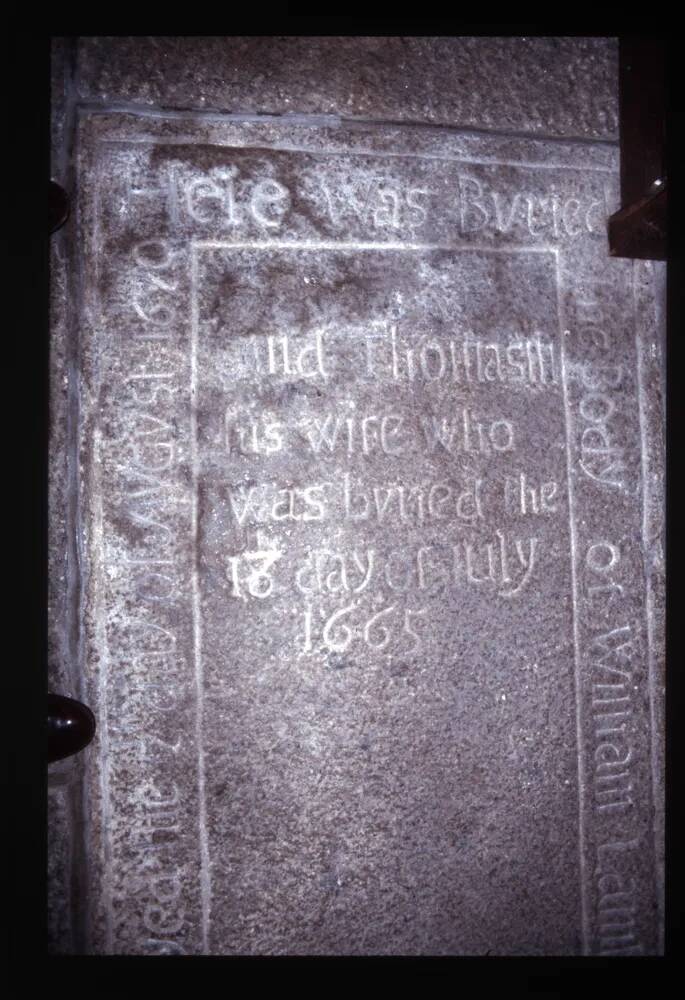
{"type": "Point", "coordinates": [369, 519]}
{"type": "Point", "coordinates": [66, 872]}
{"type": "Point", "coordinates": [60, 854]}
{"type": "Point", "coordinates": [555, 86]}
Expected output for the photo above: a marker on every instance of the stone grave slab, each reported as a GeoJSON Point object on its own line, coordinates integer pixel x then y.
{"type": "Point", "coordinates": [369, 500]}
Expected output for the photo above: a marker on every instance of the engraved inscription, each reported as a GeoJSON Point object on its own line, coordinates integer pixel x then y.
{"type": "Point", "coordinates": [611, 638]}
{"type": "Point", "coordinates": [365, 470]}
{"type": "Point", "coordinates": [362, 436]}
{"type": "Point", "coordinates": [342, 464]}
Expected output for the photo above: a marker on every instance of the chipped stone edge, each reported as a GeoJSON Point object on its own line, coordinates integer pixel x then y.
{"type": "Point", "coordinates": [66, 779]}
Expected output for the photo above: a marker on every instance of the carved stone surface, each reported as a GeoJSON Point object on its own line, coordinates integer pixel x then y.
{"type": "Point", "coordinates": [369, 512]}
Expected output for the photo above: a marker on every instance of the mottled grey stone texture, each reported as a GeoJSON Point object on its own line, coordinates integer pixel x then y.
{"type": "Point", "coordinates": [60, 855]}
{"type": "Point", "coordinates": [556, 86]}
{"type": "Point", "coordinates": [368, 510]}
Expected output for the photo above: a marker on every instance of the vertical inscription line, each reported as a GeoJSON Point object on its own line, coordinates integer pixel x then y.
{"type": "Point", "coordinates": [197, 611]}
{"type": "Point", "coordinates": [649, 600]}
{"type": "Point", "coordinates": [576, 641]}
